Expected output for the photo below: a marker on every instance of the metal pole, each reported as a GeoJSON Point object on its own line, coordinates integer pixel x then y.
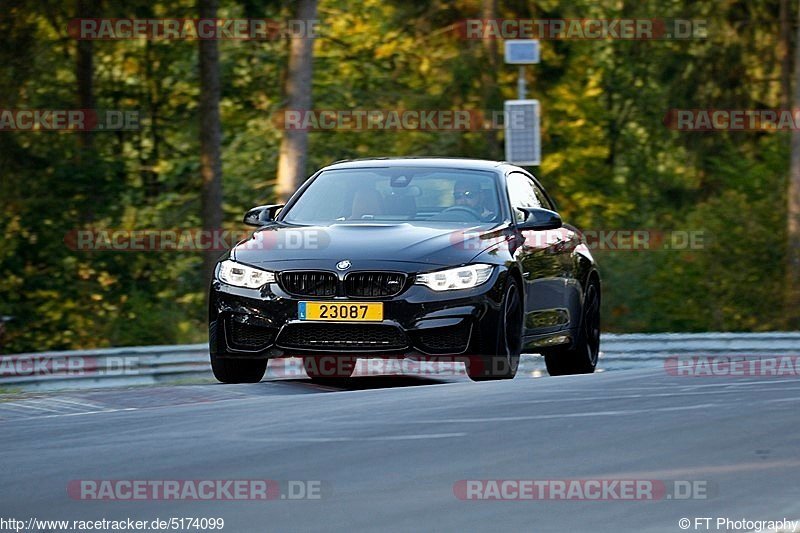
{"type": "Point", "coordinates": [521, 89]}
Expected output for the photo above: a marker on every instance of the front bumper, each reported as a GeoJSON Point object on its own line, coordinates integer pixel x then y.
{"type": "Point", "coordinates": [263, 323]}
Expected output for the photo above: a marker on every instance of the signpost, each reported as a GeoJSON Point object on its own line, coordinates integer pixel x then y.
{"type": "Point", "coordinates": [521, 117]}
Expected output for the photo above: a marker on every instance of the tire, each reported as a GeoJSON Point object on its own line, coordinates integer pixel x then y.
{"type": "Point", "coordinates": [502, 357]}
{"type": "Point", "coordinates": [230, 370]}
{"type": "Point", "coordinates": [233, 370]}
{"type": "Point", "coordinates": [581, 357]}
{"type": "Point", "coordinates": [326, 368]}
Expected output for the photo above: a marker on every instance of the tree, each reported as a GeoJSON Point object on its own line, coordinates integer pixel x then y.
{"type": "Point", "coordinates": [793, 209]}
{"type": "Point", "coordinates": [84, 72]}
{"type": "Point", "coordinates": [210, 137]}
{"type": "Point", "coordinates": [294, 145]}
{"type": "Point", "coordinates": [492, 99]}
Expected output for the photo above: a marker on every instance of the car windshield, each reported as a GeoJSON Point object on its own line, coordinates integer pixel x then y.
{"type": "Point", "coordinates": [402, 194]}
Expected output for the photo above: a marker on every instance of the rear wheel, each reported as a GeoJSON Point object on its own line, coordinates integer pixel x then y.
{"type": "Point", "coordinates": [581, 357]}
{"type": "Point", "coordinates": [502, 362]}
{"type": "Point", "coordinates": [329, 367]}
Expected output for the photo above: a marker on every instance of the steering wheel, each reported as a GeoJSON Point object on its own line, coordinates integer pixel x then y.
{"type": "Point", "coordinates": [474, 215]}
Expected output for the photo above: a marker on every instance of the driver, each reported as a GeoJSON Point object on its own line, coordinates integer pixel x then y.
{"type": "Point", "coordinates": [467, 193]}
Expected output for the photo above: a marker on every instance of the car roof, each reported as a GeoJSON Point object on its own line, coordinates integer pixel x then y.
{"type": "Point", "coordinates": [437, 162]}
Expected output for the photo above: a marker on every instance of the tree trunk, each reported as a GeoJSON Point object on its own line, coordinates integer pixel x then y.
{"type": "Point", "coordinates": [149, 161]}
{"type": "Point", "coordinates": [210, 138]}
{"type": "Point", "coordinates": [294, 145]}
{"type": "Point", "coordinates": [785, 53]}
{"type": "Point", "coordinates": [492, 100]}
{"type": "Point", "coordinates": [84, 71]}
{"type": "Point", "coordinates": [84, 75]}
{"type": "Point", "coordinates": [792, 310]}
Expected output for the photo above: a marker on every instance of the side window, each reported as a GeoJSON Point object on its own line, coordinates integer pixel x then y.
{"type": "Point", "coordinates": [521, 193]}
{"type": "Point", "coordinates": [542, 198]}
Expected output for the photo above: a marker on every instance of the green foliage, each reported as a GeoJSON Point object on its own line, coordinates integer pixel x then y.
{"type": "Point", "coordinates": [608, 158]}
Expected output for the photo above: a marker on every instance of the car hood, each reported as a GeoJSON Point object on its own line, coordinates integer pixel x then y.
{"type": "Point", "coordinates": [406, 246]}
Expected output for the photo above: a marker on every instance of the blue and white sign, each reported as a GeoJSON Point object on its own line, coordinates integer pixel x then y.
{"type": "Point", "coordinates": [522, 51]}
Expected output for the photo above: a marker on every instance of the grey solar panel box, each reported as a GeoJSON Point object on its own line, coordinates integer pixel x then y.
{"type": "Point", "coordinates": [523, 139]}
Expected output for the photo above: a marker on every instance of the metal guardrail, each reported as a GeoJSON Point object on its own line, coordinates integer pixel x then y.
{"type": "Point", "coordinates": [109, 367]}
{"type": "Point", "coordinates": [148, 365]}
{"type": "Point", "coordinates": [661, 345]}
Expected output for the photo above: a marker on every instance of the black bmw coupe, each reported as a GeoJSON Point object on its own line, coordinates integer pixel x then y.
{"type": "Point", "coordinates": [422, 258]}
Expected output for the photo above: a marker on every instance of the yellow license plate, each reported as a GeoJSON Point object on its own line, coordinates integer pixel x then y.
{"type": "Point", "coordinates": [341, 311]}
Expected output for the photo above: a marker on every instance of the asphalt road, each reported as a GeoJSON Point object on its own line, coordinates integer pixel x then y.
{"type": "Point", "coordinates": [389, 451]}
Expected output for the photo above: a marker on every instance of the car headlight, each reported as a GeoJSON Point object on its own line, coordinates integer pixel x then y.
{"type": "Point", "coordinates": [240, 275]}
{"type": "Point", "coordinates": [464, 277]}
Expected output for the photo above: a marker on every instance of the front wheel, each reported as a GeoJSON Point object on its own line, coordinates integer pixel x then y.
{"type": "Point", "coordinates": [503, 361]}
{"type": "Point", "coordinates": [581, 357]}
{"type": "Point", "coordinates": [230, 370]}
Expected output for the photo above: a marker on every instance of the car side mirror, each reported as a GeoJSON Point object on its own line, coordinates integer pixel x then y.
{"type": "Point", "coordinates": [537, 218]}
{"type": "Point", "coordinates": [262, 215]}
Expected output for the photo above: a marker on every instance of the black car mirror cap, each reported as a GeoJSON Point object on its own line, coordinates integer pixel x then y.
{"type": "Point", "coordinates": [537, 218]}
{"type": "Point", "coordinates": [261, 215]}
